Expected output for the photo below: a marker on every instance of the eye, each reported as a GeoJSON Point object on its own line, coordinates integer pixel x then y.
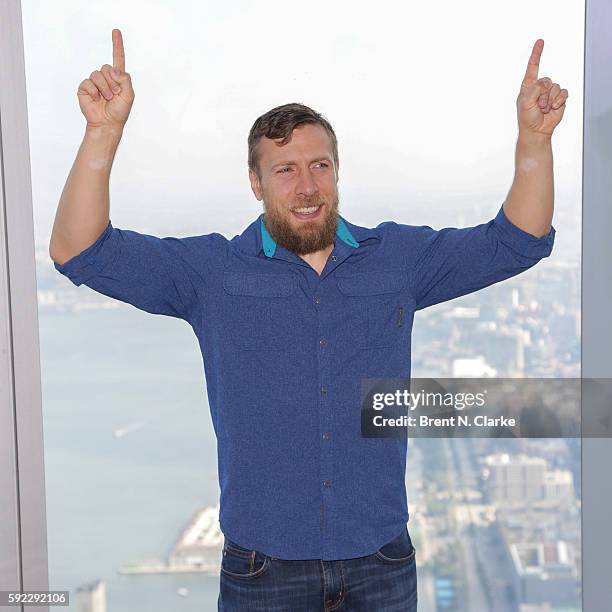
{"type": "Point", "coordinates": [282, 170]}
{"type": "Point", "coordinates": [324, 164]}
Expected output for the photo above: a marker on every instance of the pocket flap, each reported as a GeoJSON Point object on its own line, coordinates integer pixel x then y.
{"type": "Point", "coordinates": [372, 283]}
{"type": "Point", "coordinates": [259, 285]}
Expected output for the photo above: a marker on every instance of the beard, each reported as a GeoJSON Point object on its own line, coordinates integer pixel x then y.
{"type": "Point", "coordinates": [312, 236]}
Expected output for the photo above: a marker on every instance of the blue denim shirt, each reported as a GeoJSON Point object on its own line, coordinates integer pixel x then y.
{"type": "Point", "coordinates": [284, 351]}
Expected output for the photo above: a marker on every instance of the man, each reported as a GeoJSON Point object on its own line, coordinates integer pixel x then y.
{"type": "Point", "coordinates": [291, 315]}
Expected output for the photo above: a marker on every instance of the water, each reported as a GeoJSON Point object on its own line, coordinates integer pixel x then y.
{"type": "Point", "coordinates": [111, 499]}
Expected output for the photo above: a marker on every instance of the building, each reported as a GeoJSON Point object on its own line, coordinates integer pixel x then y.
{"type": "Point", "coordinates": [558, 486]}
{"type": "Point", "coordinates": [514, 478]}
{"type": "Point", "coordinates": [545, 573]}
{"type": "Point", "coordinates": [520, 479]}
{"type": "Point", "coordinates": [91, 597]}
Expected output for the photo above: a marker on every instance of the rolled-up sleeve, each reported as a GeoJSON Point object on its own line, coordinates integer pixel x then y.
{"type": "Point", "coordinates": [93, 259]}
{"type": "Point", "coordinates": [151, 273]}
{"type": "Point", "coordinates": [451, 262]}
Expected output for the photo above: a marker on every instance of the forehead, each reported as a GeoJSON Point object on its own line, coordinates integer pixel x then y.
{"type": "Point", "coordinates": [307, 141]}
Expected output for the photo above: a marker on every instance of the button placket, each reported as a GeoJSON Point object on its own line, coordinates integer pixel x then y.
{"type": "Point", "coordinates": [325, 422]}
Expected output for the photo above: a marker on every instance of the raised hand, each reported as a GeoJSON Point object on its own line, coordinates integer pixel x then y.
{"type": "Point", "coordinates": [106, 97]}
{"type": "Point", "coordinates": [540, 103]}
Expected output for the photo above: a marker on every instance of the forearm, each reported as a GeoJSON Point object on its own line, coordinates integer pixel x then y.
{"type": "Point", "coordinates": [83, 209]}
{"type": "Point", "coordinates": [530, 201]}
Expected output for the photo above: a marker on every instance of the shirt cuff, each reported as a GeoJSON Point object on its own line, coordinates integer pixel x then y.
{"type": "Point", "coordinates": [522, 241]}
{"type": "Point", "coordinates": [92, 260]}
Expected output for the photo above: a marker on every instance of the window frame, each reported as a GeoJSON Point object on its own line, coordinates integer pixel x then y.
{"type": "Point", "coordinates": [23, 523]}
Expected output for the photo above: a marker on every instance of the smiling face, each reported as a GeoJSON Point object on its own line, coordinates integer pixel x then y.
{"type": "Point", "coordinates": [298, 184]}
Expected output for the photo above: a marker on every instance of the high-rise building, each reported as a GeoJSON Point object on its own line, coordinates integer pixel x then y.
{"type": "Point", "coordinates": [91, 597]}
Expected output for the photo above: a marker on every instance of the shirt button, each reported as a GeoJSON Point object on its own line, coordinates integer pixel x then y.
{"type": "Point", "coordinates": [327, 483]}
{"type": "Point", "coordinates": [326, 436]}
{"type": "Point", "coordinates": [322, 341]}
{"type": "Point", "coordinates": [334, 258]}
{"type": "Point", "coordinates": [323, 390]}
{"type": "Point", "coordinates": [317, 300]}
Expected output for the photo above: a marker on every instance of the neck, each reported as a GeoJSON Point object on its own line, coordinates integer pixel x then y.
{"type": "Point", "coordinates": [318, 259]}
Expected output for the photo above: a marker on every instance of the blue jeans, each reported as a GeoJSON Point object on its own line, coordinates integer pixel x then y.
{"type": "Point", "coordinates": [385, 581]}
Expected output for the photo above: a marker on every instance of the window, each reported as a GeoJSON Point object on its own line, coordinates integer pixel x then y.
{"type": "Point", "coordinates": [129, 448]}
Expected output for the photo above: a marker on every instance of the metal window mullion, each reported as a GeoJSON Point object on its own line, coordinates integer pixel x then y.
{"type": "Point", "coordinates": [23, 530]}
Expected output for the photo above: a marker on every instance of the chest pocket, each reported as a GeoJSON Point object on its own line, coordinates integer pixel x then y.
{"type": "Point", "coordinates": [377, 306]}
{"type": "Point", "coordinates": [258, 313]}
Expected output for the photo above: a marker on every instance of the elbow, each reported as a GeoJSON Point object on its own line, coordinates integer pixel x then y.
{"type": "Point", "coordinates": [58, 255]}
{"type": "Point", "coordinates": [53, 253]}
{"type": "Point", "coordinates": [542, 231]}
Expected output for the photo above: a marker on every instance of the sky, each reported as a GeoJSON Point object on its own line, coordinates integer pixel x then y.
{"type": "Point", "coordinates": [422, 97]}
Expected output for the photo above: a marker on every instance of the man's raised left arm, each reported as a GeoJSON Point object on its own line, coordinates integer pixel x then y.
{"type": "Point", "coordinates": [540, 107]}
{"type": "Point", "coordinates": [451, 262]}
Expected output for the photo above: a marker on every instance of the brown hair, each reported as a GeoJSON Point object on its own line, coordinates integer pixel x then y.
{"type": "Point", "coordinates": [280, 123]}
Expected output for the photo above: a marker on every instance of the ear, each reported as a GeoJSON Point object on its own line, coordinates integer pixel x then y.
{"type": "Point", "coordinates": [255, 185]}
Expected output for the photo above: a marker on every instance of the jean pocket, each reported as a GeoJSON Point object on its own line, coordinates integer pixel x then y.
{"type": "Point", "coordinates": [398, 550]}
{"type": "Point", "coordinates": [242, 563]}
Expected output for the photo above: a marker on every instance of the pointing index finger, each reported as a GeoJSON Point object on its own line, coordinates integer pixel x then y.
{"type": "Point", "coordinates": [531, 74]}
{"type": "Point", "coordinates": [118, 52]}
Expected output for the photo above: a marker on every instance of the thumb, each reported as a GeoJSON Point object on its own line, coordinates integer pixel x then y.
{"type": "Point", "coordinates": [123, 78]}
{"type": "Point", "coordinates": [120, 75]}
{"type": "Point", "coordinates": [535, 90]}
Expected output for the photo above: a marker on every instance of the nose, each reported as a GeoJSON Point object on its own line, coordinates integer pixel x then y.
{"type": "Point", "coordinates": [306, 184]}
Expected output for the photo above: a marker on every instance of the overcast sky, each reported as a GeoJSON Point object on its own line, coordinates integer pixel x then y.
{"type": "Point", "coordinates": [421, 96]}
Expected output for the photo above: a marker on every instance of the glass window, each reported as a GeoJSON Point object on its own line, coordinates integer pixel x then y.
{"type": "Point", "coordinates": [422, 99]}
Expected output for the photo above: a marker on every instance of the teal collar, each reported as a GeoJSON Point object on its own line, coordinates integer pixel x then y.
{"type": "Point", "coordinates": [269, 244]}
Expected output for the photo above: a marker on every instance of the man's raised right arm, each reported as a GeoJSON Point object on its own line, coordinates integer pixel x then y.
{"type": "Point", "coordinates": [158, 275]}
{"type": "Point", "coordinates": [105, 99]}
